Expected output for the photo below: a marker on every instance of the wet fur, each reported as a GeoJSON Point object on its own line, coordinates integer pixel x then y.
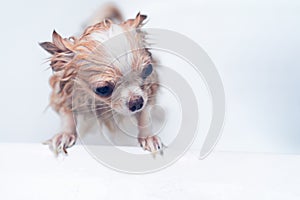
{"type": "Point", "coordinates": [78, 63]}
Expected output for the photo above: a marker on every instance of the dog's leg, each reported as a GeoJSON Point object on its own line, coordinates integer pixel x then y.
{"type": "Point", "coordinates": [67, 137]}
{"type": "Point", "coordinates": [147, 140]}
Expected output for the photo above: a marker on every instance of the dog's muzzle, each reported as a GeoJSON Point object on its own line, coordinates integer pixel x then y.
{"type": "Point", "coordinates": [135, 103]}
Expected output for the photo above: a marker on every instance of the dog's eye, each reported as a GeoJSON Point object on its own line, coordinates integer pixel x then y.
{"type": "Point", "coordinates": [104, 91]}
{"type": "Point", "coordinates": [147, 71]}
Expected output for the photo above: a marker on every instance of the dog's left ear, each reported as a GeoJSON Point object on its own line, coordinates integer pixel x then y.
{"type": "Point", "coordinates": [137, 22]}
{"type": "Point", "coordinates": [139, 19]}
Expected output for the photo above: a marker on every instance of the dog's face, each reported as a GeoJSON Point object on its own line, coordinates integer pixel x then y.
{"type": "Point", "coordinates": [125, 87]}
{"type": "Point", "coordinates": [126, 93]}
{"type": "Point", "coordinates": [111, 62]}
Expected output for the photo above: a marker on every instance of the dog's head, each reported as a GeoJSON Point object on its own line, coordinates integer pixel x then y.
{"type": "Point", "coordinates": [110, 62]}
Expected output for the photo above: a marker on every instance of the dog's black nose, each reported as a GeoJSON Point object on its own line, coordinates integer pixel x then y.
{"type": "Point", "coordinates": [135, 103]}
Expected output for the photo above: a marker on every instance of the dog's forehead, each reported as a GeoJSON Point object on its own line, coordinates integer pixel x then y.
{"type": "Point", "coordinates": [103, 35]}
{"type": "Point", "coordinates": [121, 45]}
{"type": "Point", "coordinates": [114, 75]}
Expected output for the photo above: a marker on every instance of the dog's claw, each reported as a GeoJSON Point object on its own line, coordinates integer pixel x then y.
{"type": "Point", "coordinates": [152, 144]}
{"type": "Point", "coordinates": [60, 142]}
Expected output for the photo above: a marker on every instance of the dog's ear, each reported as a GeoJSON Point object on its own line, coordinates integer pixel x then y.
{"type": "Point", "coordinates": [139, 19]}
{"type": "Point", "coordinates": [58, 44]}
{"type": "Point", "coordinates": [61, 50]}
{"type": "Point", "coordinates": [137, 22]}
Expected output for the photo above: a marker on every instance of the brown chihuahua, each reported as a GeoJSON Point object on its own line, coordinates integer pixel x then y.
{"type": "Point", "coordinates": [87, 73]}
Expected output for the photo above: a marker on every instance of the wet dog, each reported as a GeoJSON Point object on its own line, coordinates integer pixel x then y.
{"type": "Point", "coordinates": [90, 74]}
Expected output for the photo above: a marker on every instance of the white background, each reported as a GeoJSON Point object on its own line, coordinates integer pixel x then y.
{"type": "Point", "coordinates": [254, 44]}
{"type": "Point", "coordinates": [36, 175]}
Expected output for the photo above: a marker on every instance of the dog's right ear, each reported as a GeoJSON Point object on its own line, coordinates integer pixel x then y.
{"type": "Point", "coordinates": [49, 47]}
{"type": "Point", "coordinates": [58, 44]}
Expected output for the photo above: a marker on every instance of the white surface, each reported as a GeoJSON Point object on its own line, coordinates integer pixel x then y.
{"type": "Point", "coordinates": [29, 171]}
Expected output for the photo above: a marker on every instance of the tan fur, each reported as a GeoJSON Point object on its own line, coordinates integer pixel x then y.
{"type": "Point", "coordinates": [80, 64]}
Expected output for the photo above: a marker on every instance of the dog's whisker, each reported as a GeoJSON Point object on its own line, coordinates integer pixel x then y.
{"type": "Point", "coordinates": [91, 109]}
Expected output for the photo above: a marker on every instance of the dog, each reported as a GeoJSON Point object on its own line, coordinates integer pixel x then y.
{"type": "Point", "coordinates": [88, 77]}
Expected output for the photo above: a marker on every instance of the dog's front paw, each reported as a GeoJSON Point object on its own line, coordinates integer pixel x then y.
{"type": "Point", "coordinates": [60, 142]}
{"type": "Point", "coordinates": [152, 144]}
